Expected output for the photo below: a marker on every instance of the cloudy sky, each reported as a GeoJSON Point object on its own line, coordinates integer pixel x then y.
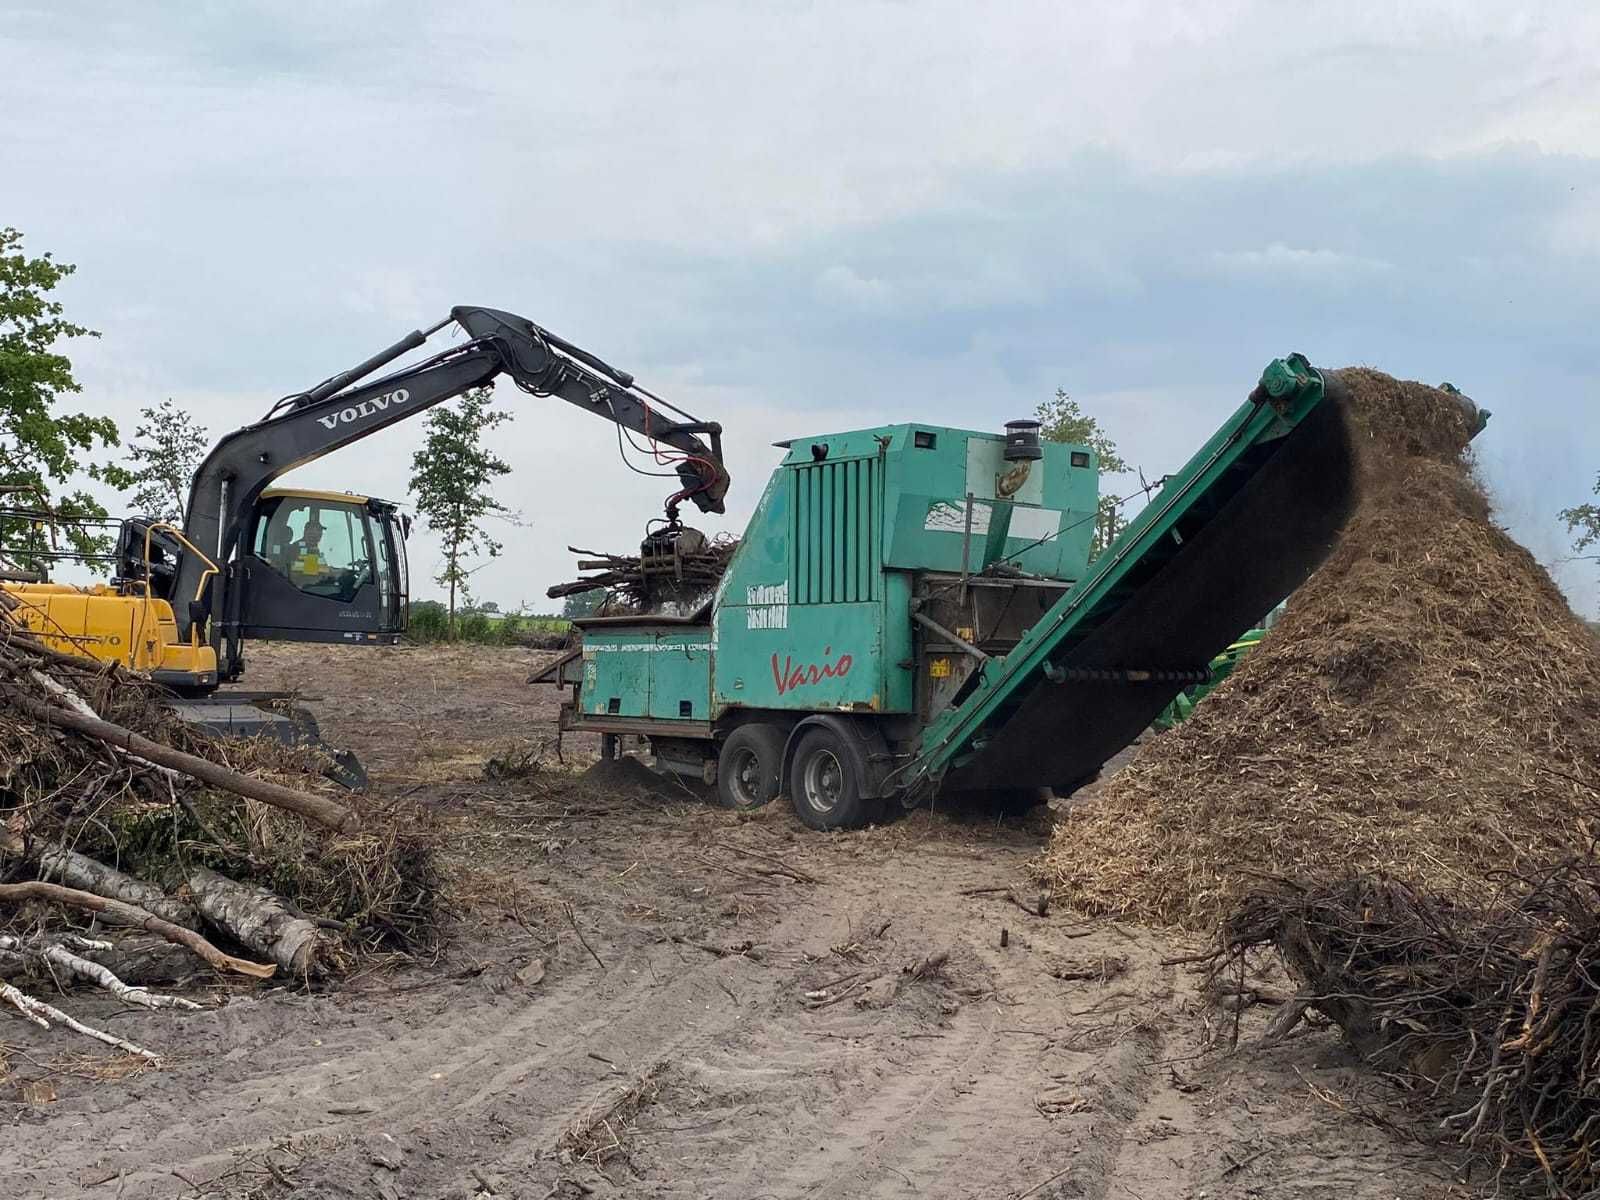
{"type": "Point", "coordinates": [796, 217]}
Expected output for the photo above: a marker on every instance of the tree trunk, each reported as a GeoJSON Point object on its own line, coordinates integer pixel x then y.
{"type": "Point", "coordinates": [260, 920]}
{"type": "Point", "coordinates": [315, 808]}
{"type": "Point", "coordinates": [77, 870]}
{"type": "Point", "coordinates": [116, 912]}
{"type": "Point", "coordinates": [64, 960]}
{"type": "Point", "coordinates": [450, 554]}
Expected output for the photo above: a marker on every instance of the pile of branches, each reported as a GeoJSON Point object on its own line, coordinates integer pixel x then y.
{"type": "Point", "coordinates": [1486, 1013]}
{"type": "Point", "coordinates": [691, 570]}
{"type": "Point", "coordinates": [115, 813]}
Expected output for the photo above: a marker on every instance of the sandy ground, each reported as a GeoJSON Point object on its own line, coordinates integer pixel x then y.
{"type": "Point", "coordinates": [645, 995]}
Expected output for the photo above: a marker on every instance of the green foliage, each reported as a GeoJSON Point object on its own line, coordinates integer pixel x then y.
{"type": "Point", "coordinates": [165, 450]}
{"type": "Point", "coordinates": [43, 452]}
{"type": "Point", "coordinates": [474, 626]}
{"type": "Point", "coordinates": [1061, 419]}
{"type": "Point", "coordinates": [485, 624]}
{"type": "Point", "coordinates": [583, 604]}
{"type": "Point", "coordinates": [1583, 522]}
{"type": "Point", "coordinates": [450, 485]}
{"type": "Point", "coordinates": [429, 621]}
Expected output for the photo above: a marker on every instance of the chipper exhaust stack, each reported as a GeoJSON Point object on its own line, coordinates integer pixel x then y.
{"type": "Point", "coordinates": [912, 609]}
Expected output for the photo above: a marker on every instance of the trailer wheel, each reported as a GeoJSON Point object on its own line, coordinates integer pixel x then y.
{"type": "Point", "coordinates": [825, 779]}
{"type": "Point", "coordinates": [749, 767]}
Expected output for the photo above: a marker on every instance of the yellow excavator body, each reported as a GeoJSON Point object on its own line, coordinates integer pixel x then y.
{"type": "Point", "coordinates": [98, 622]}
{"type": "Point", "coordinates": [135, 630]}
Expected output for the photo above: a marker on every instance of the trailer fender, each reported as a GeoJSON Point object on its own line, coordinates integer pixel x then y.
{"type": "Point", "coordinates": [864, 733]}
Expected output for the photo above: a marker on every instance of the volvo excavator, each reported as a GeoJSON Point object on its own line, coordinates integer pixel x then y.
{"type": "Point", "coordinates": [282, 564]}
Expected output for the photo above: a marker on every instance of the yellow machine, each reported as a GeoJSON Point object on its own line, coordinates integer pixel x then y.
{"type": "Point", "coordinates": [125, 623]}
{"type": "Point", "coordinates": [136, 631]}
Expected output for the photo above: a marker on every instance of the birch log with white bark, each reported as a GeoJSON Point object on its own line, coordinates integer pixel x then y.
{"type": "Point", "coordinates": [139, 961]}
{"type": "Point", "coordinates": [116, 912]}
{"type": "Point", "coordinates": [74, 964]}
{"type": "Point", "coordinates": [257, 918]}
{"type": "Point", "coordinates": [87, 874]}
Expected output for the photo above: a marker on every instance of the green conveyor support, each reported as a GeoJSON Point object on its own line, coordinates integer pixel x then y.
{"type": "Point", "coordinates": [1039, 687]}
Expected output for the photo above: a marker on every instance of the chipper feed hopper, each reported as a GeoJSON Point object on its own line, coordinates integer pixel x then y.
{"type": "Point", "coordinates": [912, 610]}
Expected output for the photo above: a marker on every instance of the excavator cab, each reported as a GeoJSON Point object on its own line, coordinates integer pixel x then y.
{"type": "Point", "coordinates": [324, 567]}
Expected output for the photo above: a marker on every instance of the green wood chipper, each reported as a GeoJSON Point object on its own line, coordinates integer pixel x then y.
{"type": "Point", "coordinates": [912, 610]}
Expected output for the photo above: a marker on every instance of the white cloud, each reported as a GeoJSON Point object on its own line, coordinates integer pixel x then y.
{"type": "Point", "coordinates": [1297, 264]}
{"type": "Point", "coordinates": [797, 216]}
{"type": "Point", "coordinates": [842, 285]}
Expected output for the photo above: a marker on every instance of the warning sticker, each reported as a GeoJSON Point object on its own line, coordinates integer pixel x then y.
{"type": "Point", "coordinates": [947, 517]}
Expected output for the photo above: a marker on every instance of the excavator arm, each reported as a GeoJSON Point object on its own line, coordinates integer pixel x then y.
{"type": "Point", "coordinates": [341, 410]}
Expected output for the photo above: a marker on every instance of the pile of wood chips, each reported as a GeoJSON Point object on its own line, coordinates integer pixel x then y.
{"type": "Point", "coordinates": [1428, 706]}
{"type": "Point", "coordinates": [124, 834]}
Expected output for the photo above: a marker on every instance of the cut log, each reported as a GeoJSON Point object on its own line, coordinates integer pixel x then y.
{"type": "Point", "coordinates": [313, 808]}
{"type": "Point", "coordinates": [117, 913]}
{"type": "Point", "coordinates": [79, 871]}
{"type": "Point", "coordinates": [139, 961]}
{"type": "Point", "coordinates": [256, 918]}
{"type": "Point", "coordinates": [75, 964]}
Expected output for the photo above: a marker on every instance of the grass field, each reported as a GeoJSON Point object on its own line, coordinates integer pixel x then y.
{"type": "Point", "coordinates": [430, 622]}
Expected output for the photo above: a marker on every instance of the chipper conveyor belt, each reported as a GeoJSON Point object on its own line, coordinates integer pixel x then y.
{"type": "Point", "coordinates": [1245, 522]}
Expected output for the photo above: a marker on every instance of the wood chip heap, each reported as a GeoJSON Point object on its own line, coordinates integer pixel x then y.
{"type": "Point", "coordinates": [1428, 706]}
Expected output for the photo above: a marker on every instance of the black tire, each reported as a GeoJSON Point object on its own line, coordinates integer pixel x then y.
{"type": "Point", "coordinates": [750, 767]}
{"type": "Point", "coordinates": [825, 781]}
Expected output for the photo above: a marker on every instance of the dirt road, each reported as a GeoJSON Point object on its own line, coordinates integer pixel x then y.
{"type": "Point", "coordinates": [647, 996]}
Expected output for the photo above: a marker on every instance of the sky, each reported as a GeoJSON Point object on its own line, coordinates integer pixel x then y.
{"type": "Point", "coordinates": [796, 218]}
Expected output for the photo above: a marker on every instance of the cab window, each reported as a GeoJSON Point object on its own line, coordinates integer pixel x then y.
{"type": "Point", "coordinates": [386, 584]}
{"type": "Point", "coordinates": [319, 546]}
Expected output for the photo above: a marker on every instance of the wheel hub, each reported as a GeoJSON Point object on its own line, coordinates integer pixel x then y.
{"type": "Point", "coordinates": [747, 776]}
{"type": "Point", "coordinates": [824, 779]}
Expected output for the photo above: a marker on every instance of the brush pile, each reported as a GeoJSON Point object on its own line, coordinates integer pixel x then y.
{"type": "Point", "coordinates": [685, 574]}
{"type": "Point", "coordinates": [111, 807]}
{"type": "Point", "coordinates": [1485, 1009]}
{"type": "Point", "coordinates": [1428, 706]}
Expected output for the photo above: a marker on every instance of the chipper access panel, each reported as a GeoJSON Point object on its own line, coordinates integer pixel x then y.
{"type": "Point", "coordinates": [912, 609]}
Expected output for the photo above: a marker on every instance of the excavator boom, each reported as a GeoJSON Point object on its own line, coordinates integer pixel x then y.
{"type": "Point", "coordinates": [348, 407]}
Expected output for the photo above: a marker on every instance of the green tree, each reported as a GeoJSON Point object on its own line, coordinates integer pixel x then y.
{"type": "Point", "coordinates": [583, 604]}
{"type": "Point", "coordinates": [44, 453]}
{"type": "Point", "coordinates": [1061, 419]}
{"type": "Point", "coordinates": [451, 478]}
{"type": "Point", "coordinates": [165, 449]}
{"type": "Point", "coordinates": [1583, 522]}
